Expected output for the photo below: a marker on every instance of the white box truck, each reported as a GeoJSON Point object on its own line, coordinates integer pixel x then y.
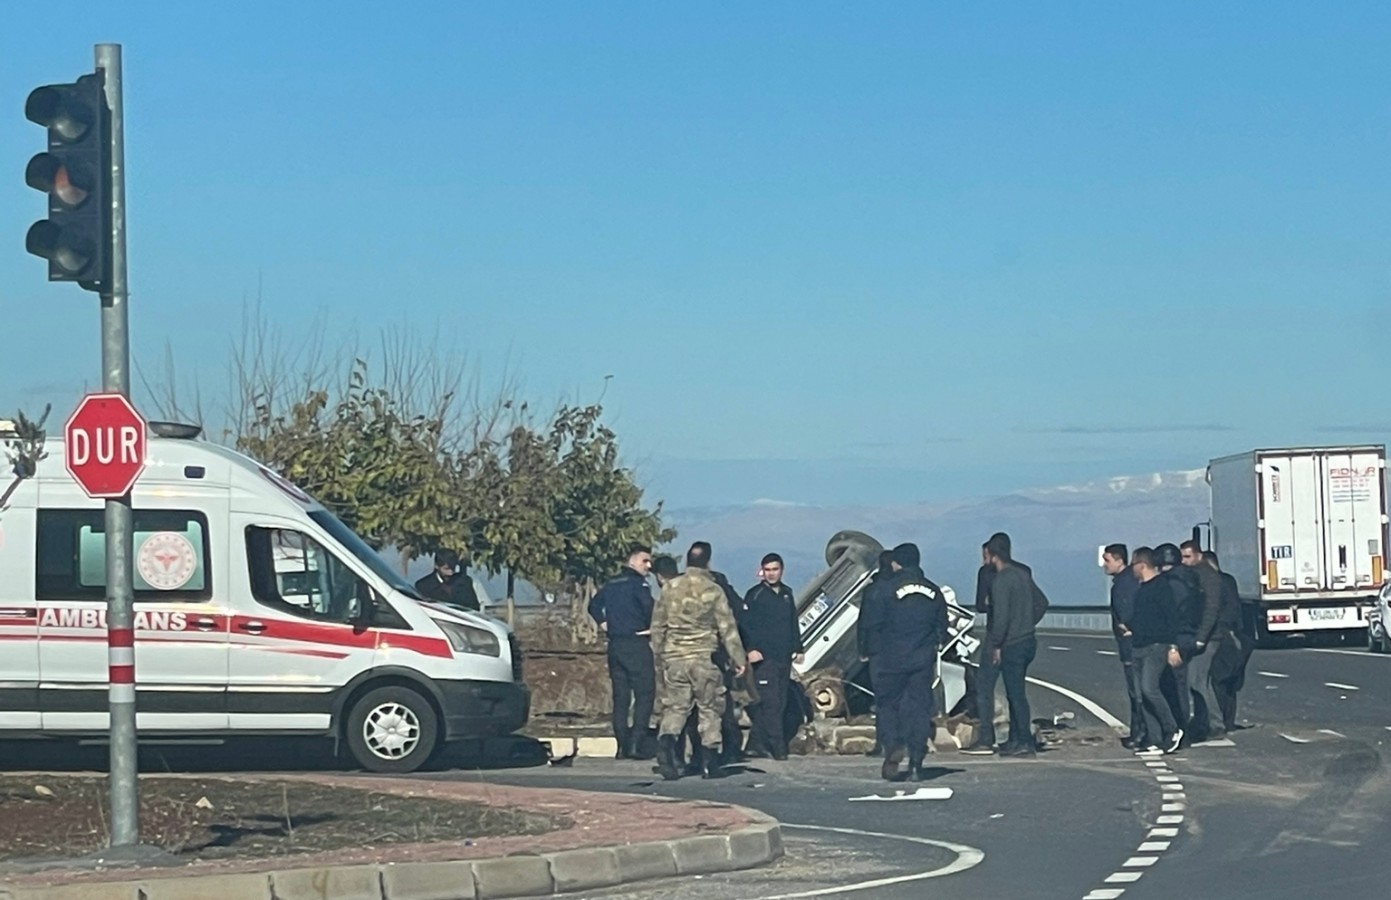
{"type": "Point", "coordinates": [1303, 531]}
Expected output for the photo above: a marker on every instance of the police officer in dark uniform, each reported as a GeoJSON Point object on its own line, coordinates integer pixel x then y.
{"type": "Point", "coordinates": [905, 631]}
{"type": "Point", "coordinates": [623, 610]}
{"type": "Point", "coordinates": [773, 642]}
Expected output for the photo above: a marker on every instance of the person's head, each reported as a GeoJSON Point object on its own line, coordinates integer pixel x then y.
{"type": "Point", "coordinates": [446, 563]}
{"type": "Point", "coordinates": [886, 562]}
{"type": "Point", "coordinates": [664, 567]}
{"type": "Point", "coordinates": [1210, 557]}
{"type": "Point", "coordinates": [906, 556]}
{"type": "Point", "coordinates": [997, 551]}
{"type": "Point", "coordinates": [1115, 559]}
{"type": "Point", "coordinates": [1191, 553]}
{"type": "Point", "coordinates": [1144, 564]}
{"type": "Point", "coordinates": [985, 554]}
{"type": "Point", "coordinates": [640, 558]}
{"type": "Point", "coordinates": [698, 557]}
{"type": "Point", "coordinates": [771, 566]}
{"type": "Point", "coordinates": [1002, 540]}
{"type": "Point", "coordinates": [1167, 556]}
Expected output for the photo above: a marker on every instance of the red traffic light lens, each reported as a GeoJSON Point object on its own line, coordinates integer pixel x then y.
{"type": "Point", "coordinates": [46, 173]}
{"type": "Point", "coordinates": [51, 108]}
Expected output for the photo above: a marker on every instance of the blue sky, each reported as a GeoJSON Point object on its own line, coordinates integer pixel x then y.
{"type": "Point", "coordinates": [829, 253]}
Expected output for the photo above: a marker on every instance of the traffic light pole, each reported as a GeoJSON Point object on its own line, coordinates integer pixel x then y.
{"type": "Point", "coordinates": [120, 579]}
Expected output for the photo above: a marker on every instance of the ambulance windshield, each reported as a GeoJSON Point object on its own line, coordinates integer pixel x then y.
{"type": "Point", "coordinates": [359, 548]}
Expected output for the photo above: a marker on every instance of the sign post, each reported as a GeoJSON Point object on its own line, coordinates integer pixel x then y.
{"type": "Point", "coordinates": [120, 581]}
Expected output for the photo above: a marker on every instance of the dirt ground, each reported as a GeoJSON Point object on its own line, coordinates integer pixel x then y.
{"type": "Point", "coordinates": [64, 816]}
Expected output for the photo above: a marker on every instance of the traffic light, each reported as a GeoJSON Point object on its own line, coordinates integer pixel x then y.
{"type": "Point", "coordinates": [75, 173]}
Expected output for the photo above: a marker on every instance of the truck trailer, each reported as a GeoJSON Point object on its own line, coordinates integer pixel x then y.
{"type": "Point", "coordinates": [1303, 531]}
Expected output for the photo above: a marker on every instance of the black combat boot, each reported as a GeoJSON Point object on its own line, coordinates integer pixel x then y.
{"type": "Point", "coordinates": [714, 767]}
{"type": "Point", "coordinates": [892, 760]}
{"type": "Point", "coordinates": [915, 768]}
{"type": "Point", "coordinates": [666, 757]}
{"type": "Point", "coordinates": [695, 765]}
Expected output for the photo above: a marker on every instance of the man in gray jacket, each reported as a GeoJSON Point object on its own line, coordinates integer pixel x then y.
{"type": "Point", "coordinates": [1205, 724]}
{"type": "Point", "coordinates": [1010, 641]}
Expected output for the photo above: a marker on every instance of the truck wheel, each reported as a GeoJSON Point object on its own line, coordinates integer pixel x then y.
{"type": "Point", "coordinates": [392, 730]}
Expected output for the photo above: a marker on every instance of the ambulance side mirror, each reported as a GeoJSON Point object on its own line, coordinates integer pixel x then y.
{"type": "Point", "coordinates": [363, 611]}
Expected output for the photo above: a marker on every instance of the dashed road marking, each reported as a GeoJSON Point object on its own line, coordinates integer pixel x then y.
{"type": "Point", "coordinates": [1104, 894]}
{"type": "Point", "coordinates": [1163, 832]}
{"type": "Point", "coordinates": [1152, 846]}
{"type": "Point", "coordinates": [1170, 820]}
{"type": "Point", "coordinates": [1173, 807]}
{"type": "Point", "coordinates": [1273, 674]}
{"type": "Point", "coordinates": [1123, 877]}
{"type": "Point", "coordinates": [1061, 649]}
{"type": "Point", "coordinates": [1338, 686]}
{"type": "Point", "coordinates": [1140, 862]}
{"type": "Point", "coordinates": [1106, 653]}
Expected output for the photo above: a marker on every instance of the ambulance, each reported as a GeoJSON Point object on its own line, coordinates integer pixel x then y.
{"type": "Point", "coordinates": [258, 614]}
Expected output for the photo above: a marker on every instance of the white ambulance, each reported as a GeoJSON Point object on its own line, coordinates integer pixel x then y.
{"type": "Point", "coordinates": [258, 613]}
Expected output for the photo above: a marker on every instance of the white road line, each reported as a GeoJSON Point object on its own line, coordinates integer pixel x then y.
{"type": "Point", "coordinates": [1170, 798]}
{"type": "Point", "coordinates": [1273, 674]}
{"type": "Point", "coordinates": [1123, 877]}
{"type": "Point", "coordinates": [1160, 764]}
{"type": "Point", "coordinates": [1341, 687]}
{"type": "Point", "coordinates": [1163, 832]}
{"type": "Point", "coordinates": [1164, 778]}
{"type": "Point", "coordinates": [1090, 706]}
{"type": "Point", "coordinates": [1173, 807]}
{"type": "Point", "coordinates": [1104, 894]}
{"type": "Point", "coordinates": [966, 858]}
{"type": "Point", "coordinates": [1294, 740]}
{"type": "Point", "coordinates": [1337, 734]}
{"type": "Point", "coordinates": [1169, 820]}
{"type": "Point", "coordinates": [1152, 847]}
{"type": "Point", "coordinates": [1141, 862]}
{"type": "Point", "coordinates": [1061, 649]}
{"type": "Point", "coordinates": [1106, 652]}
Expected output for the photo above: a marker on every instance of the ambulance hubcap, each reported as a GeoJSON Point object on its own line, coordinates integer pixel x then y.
{"type": "Point", "coordinates": [391, 731]}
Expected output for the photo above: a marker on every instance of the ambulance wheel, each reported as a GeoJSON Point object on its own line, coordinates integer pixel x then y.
{"type": "Point", "coordinates": [392, 730]}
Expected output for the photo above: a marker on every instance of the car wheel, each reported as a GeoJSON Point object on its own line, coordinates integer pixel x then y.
{"type": "Point", "coordinates": [392, 730]}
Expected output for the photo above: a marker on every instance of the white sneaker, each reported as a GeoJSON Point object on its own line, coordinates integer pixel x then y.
{"type": "Point", "coordinates": [1177, 740]}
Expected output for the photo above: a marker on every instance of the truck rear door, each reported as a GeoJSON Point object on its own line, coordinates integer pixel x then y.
{"type": "Point", "coordinates": [1291, 510]}
{"type": "Point", "coordinates": [1353, 520]}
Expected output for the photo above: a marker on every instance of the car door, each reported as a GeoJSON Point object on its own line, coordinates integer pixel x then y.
{"type": "Point", "coordinates": [295, 639]}
{"type": "Point", "coordinates": [181, 648]}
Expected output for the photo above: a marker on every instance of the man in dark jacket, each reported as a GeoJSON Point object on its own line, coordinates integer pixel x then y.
{"type": "Point", "coordinates": [1124, 585]}
{"type": "Point", "coordinates": [773, 642]}
{"type": "Point", "coordinates": [623, 610]}
{"type": "Point", "coordinates": [905, 631]}
{"type": "Point", "coordinates": [872, 596]}
{"type": "Point", "coordinates": [1234, 651]}
{"type": "Point", "coordinates": [1206, 721]}
{"type": "Point", "coordinates": [987, 674]}
{"type": "Point", "coordinates": [1188, 603]}
{"type": "Point", "coordinates": [449, 584]}
{"type": "Point", "coordinates": [1010, 641]}
{"type": "Point", "coordinates": [1154, 630]}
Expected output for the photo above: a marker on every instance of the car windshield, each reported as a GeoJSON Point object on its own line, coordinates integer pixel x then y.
{"type": "Point", "coordinates": [365, 554]}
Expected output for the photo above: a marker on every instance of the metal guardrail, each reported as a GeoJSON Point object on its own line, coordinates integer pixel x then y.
{"type": "Point", "coordinates": [1094, 619]}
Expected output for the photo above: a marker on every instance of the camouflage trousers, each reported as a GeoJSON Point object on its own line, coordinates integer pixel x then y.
{"type": "Point", "coordinates": [688, 683]}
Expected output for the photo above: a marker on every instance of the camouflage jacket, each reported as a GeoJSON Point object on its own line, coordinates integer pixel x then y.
{"type": "Point", "coordinates": [693, 618]}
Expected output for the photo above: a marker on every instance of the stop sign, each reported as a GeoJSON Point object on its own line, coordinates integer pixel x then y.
{"type": "Point", "coordinates": [104, 445]}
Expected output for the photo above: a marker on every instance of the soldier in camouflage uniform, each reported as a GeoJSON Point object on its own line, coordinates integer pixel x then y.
{"type": "Point", "coordinates": [691, 621]}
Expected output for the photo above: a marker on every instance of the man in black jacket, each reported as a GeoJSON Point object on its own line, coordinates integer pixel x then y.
{"type": "Point", "coordinates": [905, 632]}
{"type": "Point", "coordinates": [873, 595]}
{"type": "Point", "coordinates": [449, 584]}
{"type": "Point", "coordinates": [1011, 643]}
{"type": "Point", "coordinates": [773, 642]}
{"type": "Point", "coordinates": [1206, 721]}
{"type": "Point", "coordinates": [1124, 585]}
{"type": "Point", "coordinates": [623, 609]}
{"type": "Point", "coordinates": [1188, 602]}
{"type": "Point", "coordinates": [1234, 651]}
{"type": "Point", "coordinates": [1154, 631]}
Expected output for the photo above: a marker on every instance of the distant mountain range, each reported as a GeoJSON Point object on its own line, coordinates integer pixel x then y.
{"type": "Point", "coordinates": [1055, 530]}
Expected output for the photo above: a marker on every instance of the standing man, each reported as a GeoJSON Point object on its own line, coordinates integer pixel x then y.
{"type": "Point", "coordinates": [1188, 603]}
{"type": "Point", "coordinates": [1154, 629]}
{"type": "Point", "coordinates": [1011, 640]}
{"type": "Point", "coordinates": [700, 556]}
{"type": "Point", "coordinates": [1115, 559]}
{"type": "Point", "coordinates": [773, 642]}
{"type": "Point", "coordinates": [905, 630]}
{"type": "Point", "coordinates": [1206, 722]}
{"type": "Point", "coordinates": [987, 674]}
{"type": "Point", "coordinates": [1229, 663]}
{"type": "Point", "coordinates": [623, 610]}
{"type": "Point", "coordinates": [450, 583]}
{"type": "Point", "coordinates": [874, 595]}
{"type": "Point", "coordinates": [692, 621]}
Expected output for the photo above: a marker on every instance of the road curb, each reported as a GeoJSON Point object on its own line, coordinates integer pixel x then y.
{"type": "Point", "coordinates": [540, 875]}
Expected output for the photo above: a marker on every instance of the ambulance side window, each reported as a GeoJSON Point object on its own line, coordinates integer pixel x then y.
{"type": "Point", "coordinates": [171, 555]}
{"type": "Point", "coordinates": [293, 572]}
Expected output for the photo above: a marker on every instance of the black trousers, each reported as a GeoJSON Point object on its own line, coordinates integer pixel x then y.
{"type": "Point", "coordinates": [772, 678]}
{"type": "Point", "coordinates": [1132, 688]}
{"type": "Point", "coordinates": [987, 674]}
{"type": "Point", "coordinates": [634, 688]}
{"type": "Point", "coordinates": [1014, 668]}
{"type": "Point", "coordinates": [904, 711]}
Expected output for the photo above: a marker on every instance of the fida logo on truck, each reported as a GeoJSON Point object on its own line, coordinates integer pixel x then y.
{"type": "Point", "coordinates": [90, 617]}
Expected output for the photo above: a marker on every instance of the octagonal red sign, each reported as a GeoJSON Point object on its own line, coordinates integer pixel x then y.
{"type": "Point", "coordinates": [104, 445]}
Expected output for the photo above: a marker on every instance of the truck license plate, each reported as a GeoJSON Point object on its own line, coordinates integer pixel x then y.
{"type": "Point", "coordinates": [1326, 615]}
